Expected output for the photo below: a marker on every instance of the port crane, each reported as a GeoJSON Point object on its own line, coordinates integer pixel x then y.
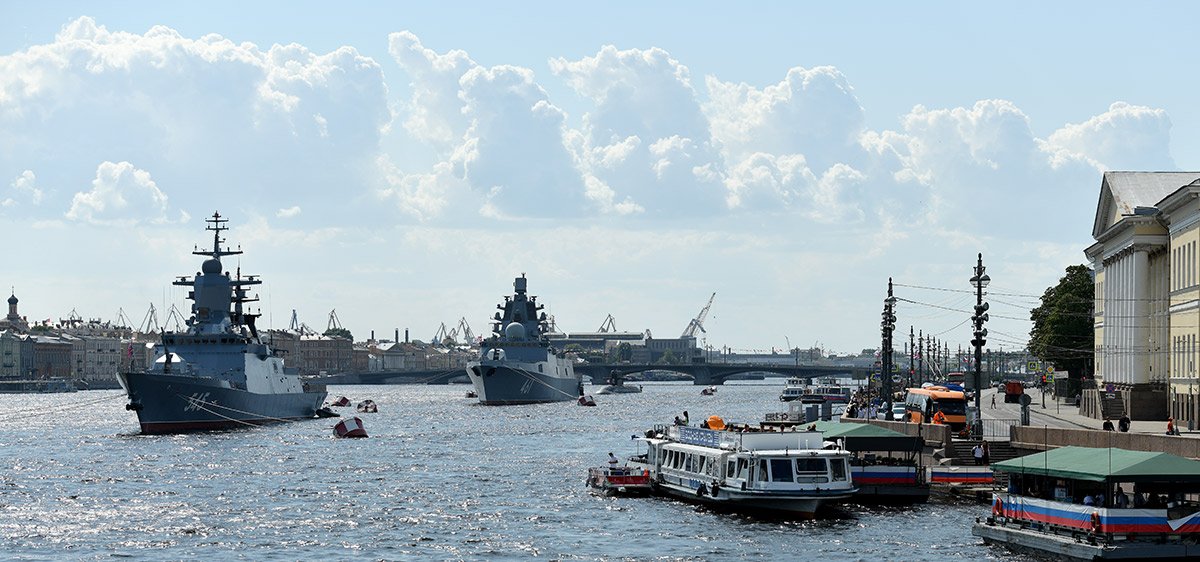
{"type": "Point", "coordinates": [609, 325]}
{"type": "Point", "coordinates": [697, 323]}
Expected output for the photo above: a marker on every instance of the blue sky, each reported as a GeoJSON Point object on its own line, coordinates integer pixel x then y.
{"type": "Point", "coordinates": [401, 163]}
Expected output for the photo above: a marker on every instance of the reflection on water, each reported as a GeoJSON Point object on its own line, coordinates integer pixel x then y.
{"type": "Point", "coordinates": [440, 477]}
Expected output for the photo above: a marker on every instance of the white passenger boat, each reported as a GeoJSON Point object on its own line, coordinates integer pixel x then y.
{"type": "Point", "coordinates": [747, 469]}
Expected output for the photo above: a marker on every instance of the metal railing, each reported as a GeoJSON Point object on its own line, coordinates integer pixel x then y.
{"type": "Point", "coordinates": [998, 428]}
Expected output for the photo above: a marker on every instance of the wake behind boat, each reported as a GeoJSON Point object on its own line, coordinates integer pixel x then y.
{"type": "Point", "coordinates": [516, 364]}
{"type": "Point", "coordinates": [217, 374]}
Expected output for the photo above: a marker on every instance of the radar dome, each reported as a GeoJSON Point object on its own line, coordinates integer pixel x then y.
{"type": "Point", "coordinates": [514, 331]}
{"type": "Point", "coordinates": [211, 265]}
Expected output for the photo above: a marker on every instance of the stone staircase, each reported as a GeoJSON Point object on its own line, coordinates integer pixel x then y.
{"type": "Point", "coordinates": [1112, 408]}
{"type": "Point", "coordinates": [960, 453]}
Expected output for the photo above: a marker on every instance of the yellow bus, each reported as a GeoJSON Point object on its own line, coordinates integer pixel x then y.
{"type": "Point", "coordinates": [924, 405]}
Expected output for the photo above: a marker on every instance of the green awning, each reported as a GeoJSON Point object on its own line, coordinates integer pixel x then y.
{"type": "Point", "coordinates": [867, 437]}
{"type": "Point", "coordinates": [1100, 465]}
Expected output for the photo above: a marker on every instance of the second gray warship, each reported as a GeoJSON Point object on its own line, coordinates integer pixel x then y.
{"type": "Point", "coordinates": [516, 364]}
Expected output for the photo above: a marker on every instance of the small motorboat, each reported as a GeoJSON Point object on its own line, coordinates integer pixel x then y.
{"type": "Point", "coordinates": [350, 427]}
{"type": "Point", "coordinates": [619, 481]}
{"type": "Point", "coordinates": [587, 400]}
{"type": "Point", "coordinates": [326, 412]}
{"type": "Point", "coordinates": [341, 402]}
{"type": "Point", "coordinates": [367, 407]}
{"type": "Point", "coordinates": [708, 391]}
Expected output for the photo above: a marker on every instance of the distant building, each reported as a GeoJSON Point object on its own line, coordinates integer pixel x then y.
{"type": "Point", "coordinates": [316, 354]}
{"type": "Point", "coordinates": [14, 321]}
{"type": "Point", "coordinates": [10, 354]}
{"type": "Point", "coordinates": [52, 357]}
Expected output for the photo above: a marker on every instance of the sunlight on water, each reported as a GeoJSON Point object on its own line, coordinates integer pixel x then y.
{"type": "Point", "coordinates": [440, 478]}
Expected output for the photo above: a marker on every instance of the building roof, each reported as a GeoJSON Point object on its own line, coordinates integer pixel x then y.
{"type": "Point", "coordinates": [1121, 193]}
{"type": "Point", "coordinates": [868, 437]}
{"type": "Point", "coordinates": [1104, 465]}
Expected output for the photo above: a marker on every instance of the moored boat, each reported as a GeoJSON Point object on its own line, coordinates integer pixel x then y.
{"type": "Point", "coordinates": [516, 364]}
{"type": "Point", "coordinates": [218, 373]}
{"type": "Point", "coordinates": [619, 480]}
{"type": "Point", "coordinates": [743, 469]}
{"type": "Point", "coordinates": [1097, 504]}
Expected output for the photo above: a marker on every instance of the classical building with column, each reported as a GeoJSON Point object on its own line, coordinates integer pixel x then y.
{"type": "Point", "coordinates": [1147, 307]}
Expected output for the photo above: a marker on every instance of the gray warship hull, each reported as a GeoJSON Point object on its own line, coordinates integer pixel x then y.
{"type": "Point", "coordinates": [180, 403]}
{"type": "Point", "coordinates": [510, 384]}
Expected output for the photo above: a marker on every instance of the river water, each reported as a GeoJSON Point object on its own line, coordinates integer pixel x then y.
{"type": "Point", "coordinates": [440, 478]}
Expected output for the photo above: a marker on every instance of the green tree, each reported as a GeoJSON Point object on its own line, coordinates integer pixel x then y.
{"type": "Point", "coordinates": [339, 333]}
{"type": "Point", "coordinates": [1062, 332]}
{"type": "Point", "coordinates": [668, 358]}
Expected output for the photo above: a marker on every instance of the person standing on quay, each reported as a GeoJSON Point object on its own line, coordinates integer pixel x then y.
{"type": "Point", "coordinates": [1124, 423]}
{"type": "Point", "coordinates": [1108, 426]}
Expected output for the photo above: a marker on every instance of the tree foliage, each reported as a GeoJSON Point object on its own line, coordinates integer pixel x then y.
{"type": "Point", "coordinates": [339, 333]}
{"type": "Point", "coordinates": [1062, 332]}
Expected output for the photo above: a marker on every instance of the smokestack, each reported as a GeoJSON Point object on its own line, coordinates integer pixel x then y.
{"type": "Point", "coordinates": [397, 338]}
{"type": "Point", "coordinates": [372, 335]}
{"type": "Point", "coordinates": [406, 335]}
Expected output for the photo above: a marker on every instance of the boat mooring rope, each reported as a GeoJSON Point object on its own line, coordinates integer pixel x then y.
{"type": "Point", "coordinates": [200, 404]}
{"type": "Point", "coordinates": [533, 378]}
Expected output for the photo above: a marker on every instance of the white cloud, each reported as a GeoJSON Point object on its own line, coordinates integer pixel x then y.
{"type": "Point", "coordinates": [214, 118]}
{"type": "Point", "coordinates": [811, 112]}
{"type": "Point", "coordinates": [288, 213]}
{"type": "Point", "coordinates": [1126, 137]}
{"type": "Point", "coordinates": [646, 137]}
{"type": "Point", "coordinates": [23, 188]}
{"type": "Point", "coordinates": [122, 195]}
{"type": "Point", "coordinates": [435, 109]}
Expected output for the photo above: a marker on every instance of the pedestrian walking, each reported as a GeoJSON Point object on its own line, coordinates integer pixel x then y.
{"type": "Point", "coordinates": [978, 453]}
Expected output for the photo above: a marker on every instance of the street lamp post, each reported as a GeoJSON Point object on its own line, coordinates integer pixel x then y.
{"type": "Point", "coordinates": [980, 281]}
{"type": "Point", "coordinates": [887, 326]}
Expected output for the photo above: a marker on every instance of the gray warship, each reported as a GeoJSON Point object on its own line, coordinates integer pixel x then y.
{"type": "Point", "coordinates": [516, 364]}
{"type": "Point", "coordinates": [218, 373]}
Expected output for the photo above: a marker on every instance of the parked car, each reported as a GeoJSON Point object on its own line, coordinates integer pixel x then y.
{"type": "Point", "coordinates": [898, 413]}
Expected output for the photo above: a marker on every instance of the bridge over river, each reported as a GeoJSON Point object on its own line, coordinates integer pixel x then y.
{"type": "Point", "coordinates": [703, 374]}
{"type": "Point", "coordinates": [706, 374]}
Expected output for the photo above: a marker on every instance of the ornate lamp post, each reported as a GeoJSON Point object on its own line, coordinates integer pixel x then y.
{"type": "Point", "coordinates": [980, 281]}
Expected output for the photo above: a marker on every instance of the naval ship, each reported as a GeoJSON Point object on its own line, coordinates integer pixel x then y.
{"type": "Point", "coordinates": [218, 373]}
{"type": "Point", "coordinates": [516, 364]}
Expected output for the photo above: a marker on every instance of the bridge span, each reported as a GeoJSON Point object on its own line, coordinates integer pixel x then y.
{"type": "Point", "coordinates": [706, 374]}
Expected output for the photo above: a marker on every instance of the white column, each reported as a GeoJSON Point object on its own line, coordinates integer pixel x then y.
{"type": "Point", "coordinates": [1140, 373]}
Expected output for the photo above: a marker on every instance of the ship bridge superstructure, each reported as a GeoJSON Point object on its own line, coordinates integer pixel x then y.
{"type": "Point", "coordinates": [218, 300]}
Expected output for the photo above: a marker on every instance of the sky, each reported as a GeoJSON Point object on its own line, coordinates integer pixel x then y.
{"type": "Point", "coordinates": [401, 163]}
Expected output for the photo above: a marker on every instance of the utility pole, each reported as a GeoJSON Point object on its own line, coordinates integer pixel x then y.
{"type": "Point", "coordinates": [980, 281]}
{"type": "Point", "coordinates": [887, 327]}
{"type": "Point", "coordinates": [921, 356]}
{"type": "Point", "coordinates": [911, 351]}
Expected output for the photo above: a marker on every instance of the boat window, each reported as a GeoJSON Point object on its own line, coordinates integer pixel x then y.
{"type": "Point", "coordinates": [689, 463]}
{"type": "Point", "coordinates": [838, 467]}
{"type": "Point", "coordinates": [741, 469]}
{"type": "Point", "coordinates": [729, 473]}
{"type": "Point", "coordinates": [810, 465]}
{"type": "Point", "coordinates": [762, 470]}
{"type": "Point", "coordinates": [540, 367]}
{"type": "Point", "coordinates": [781, 470]}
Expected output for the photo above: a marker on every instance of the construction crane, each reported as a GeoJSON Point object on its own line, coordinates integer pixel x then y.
{"type": "Point", "coordinates": [149, 324]}
{"type": "Point", "coordinates": [439, 338]}
{"type": "Point", "coordinates": [334, 323]}
{"type": "Point", "coordinates": [697, 323]}
{"type": "Point", "coordinates": [465, 330]}
{"type": "Point", "coordinates": [609, 325]}
{"type": "Point", "coordinates": [299, 327]}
